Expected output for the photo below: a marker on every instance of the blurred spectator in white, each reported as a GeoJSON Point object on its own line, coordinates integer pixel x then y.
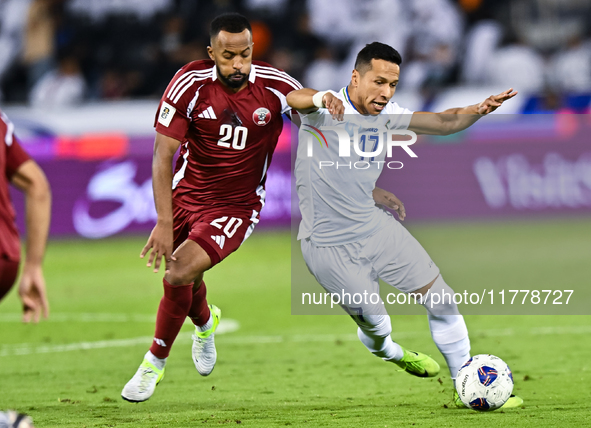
{"type": "Point", "coordinates": [436, 23]}
{"type": "Point", "coordinates": [172, 34]}
{"type": "Point", "coordinates": [548, 25]}
{"type": "Point", "coordinates": [334, 23]}
{"type": "Point", "coordinates": [517, 66]}
{"type": "Point", "coordinates": [39, 43]}
{"type": "Point", "coordinates": [386, 21]}
{"type": "Point", "coordinates": [13, 18]}
{"type": "Point", "coordinates": [427, 33]}
{"type": "Point", "coordinates": [365, 21]}
{"type": "Point", "coordinates": [570, 70]}
{"type": "Point", "coordinates": [437, 30]}
{"type": "Point", "coordinates": [322, 72]}
{"type": "Point", "coordinates": [99, 9]}
{"type": "Point", "coordinates": [62, 87]}
{"type": "Point", "coordinates": [361, 22]}
{"type": "Point", "coordinates": [481, 43]}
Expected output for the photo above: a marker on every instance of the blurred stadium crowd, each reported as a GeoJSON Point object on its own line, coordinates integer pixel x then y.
{"type": "Point", "coordinates": [64, 52]}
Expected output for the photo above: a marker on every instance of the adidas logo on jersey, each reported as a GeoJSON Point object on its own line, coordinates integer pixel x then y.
{"type": "Point", "coordinates": [208, 113]}
{"type": "Point", "coordinates": [220, 240]}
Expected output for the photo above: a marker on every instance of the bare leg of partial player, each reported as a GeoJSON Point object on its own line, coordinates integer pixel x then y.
{"type": "Point", "coordinates": [182, 298]}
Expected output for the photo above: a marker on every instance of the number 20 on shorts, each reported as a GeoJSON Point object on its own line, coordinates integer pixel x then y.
{"type": "Point", "coordinates": [231, 226]}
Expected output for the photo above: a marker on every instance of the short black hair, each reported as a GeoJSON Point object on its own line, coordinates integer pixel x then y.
{"type": "Point", "coordinates": [230, 22]}
{"type": "Point", "coordinates": [376, 50]}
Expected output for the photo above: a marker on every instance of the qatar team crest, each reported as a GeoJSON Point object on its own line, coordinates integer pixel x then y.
{"type": "Point", "coordinates": [261, 116]}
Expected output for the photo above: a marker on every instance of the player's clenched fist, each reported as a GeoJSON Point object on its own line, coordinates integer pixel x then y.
{"type": "Point", "coordinates": [160, 242]}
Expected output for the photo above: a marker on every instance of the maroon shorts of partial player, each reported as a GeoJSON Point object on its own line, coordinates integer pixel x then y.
{"type": "Point", "coordinates": [8, 273]}
{"type": "Point", "coordinates": [218, 230]}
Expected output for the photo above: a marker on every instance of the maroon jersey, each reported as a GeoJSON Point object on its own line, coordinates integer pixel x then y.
{"type": "Point", "coordinates": [227, 138]}
{"type": "Point", "coordinates": [12, 156]}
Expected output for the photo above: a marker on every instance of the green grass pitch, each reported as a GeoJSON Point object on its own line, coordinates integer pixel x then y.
{"type": "Point", "coordinates": [283, 370]}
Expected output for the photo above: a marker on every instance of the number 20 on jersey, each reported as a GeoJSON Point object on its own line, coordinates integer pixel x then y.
{"type": "Point", "coordinates": [237, 134]}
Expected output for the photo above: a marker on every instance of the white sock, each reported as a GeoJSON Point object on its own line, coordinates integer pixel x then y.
{"type": "Point", "coordinates": [207, 325]}
{"type": "Point", "coordinates": [374, 332]}
{"type": "Point", "coordinates": [448, 328]}
{"type": "Point", "coordinates": [383, 347]}
{"type": "Point", "coordinates": [394, 351]}
{"type": "Point", "coordinates": [153, 359]}
{"type": "Point", "coordinates": [455, 354]}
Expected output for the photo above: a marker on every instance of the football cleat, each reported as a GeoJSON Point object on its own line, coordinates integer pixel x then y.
{"type": "Point", "coordinates": [418, 364]}
{"type": "Point", "coordinates": [143, 383]}
{"type": "Point", "coordinates": [12, 419]}
{"type": "Point", "coordinates": [204, 353]}
{"type": "Point", "coordinates": [513, 402]}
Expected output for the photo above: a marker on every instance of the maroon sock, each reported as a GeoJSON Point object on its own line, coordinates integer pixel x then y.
{"type": "Point", "coordinates": [172, 312]}
{"type": "Point", "coordinates": [199, 312]}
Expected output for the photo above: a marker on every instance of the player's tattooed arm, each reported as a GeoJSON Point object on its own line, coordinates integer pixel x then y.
{"type": "Point", "coordinates": [456, 119]}
{"type": "Point", "coordinates": [308, 100]}
{"type": "Point", "coordinates": [389, 200]}
{"type": "Point", "coordinates": [161, 238]}
{"type": "Point", "coordinates": [30, 179]}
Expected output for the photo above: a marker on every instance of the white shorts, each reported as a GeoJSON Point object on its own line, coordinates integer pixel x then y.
{"type": "Point", "coordinates": [392, 255]}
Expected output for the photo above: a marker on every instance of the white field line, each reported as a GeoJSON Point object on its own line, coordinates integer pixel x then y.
{"type": "Point", "coordinates": [226, 326]}
{"type": "Point", "coordinates": [84, 317]}
{"type": "Point", "coordinates": [229, 326]}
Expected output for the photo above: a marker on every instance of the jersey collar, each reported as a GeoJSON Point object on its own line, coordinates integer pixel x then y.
{"type": "Point", "coordinates": [253, 73]}
{"type": "Point", "coordinates": [348, 98]}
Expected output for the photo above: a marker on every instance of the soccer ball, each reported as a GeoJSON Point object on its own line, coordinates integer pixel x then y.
{"type": "Point", "coordinates": [484, 382]}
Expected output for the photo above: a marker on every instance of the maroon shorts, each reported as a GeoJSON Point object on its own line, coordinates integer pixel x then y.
{"type": "Point", "coordinates": [8, 273]}
{"type": "Point", "coordinates": [218, 230]}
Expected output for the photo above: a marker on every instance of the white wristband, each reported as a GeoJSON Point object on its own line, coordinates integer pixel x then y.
{"type": "Point", "coordinates": [317, 98]}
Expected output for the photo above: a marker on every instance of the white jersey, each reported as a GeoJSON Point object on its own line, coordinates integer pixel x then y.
{"type": "Point", "coordinates": [336, 200]}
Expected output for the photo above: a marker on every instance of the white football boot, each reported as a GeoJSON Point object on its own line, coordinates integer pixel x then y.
{"type": "Point", "coordinates": [143, 383]}
{"type": "Point", "coordinates": [204, 353]}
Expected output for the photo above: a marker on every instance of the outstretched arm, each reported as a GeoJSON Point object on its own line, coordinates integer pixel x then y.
{"type": "Point", "coordinates": [308, 100]}
{"type": "Point", "coordinates": [456, 119]}
{"type": "Point", "coordinates": [31, 180]}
